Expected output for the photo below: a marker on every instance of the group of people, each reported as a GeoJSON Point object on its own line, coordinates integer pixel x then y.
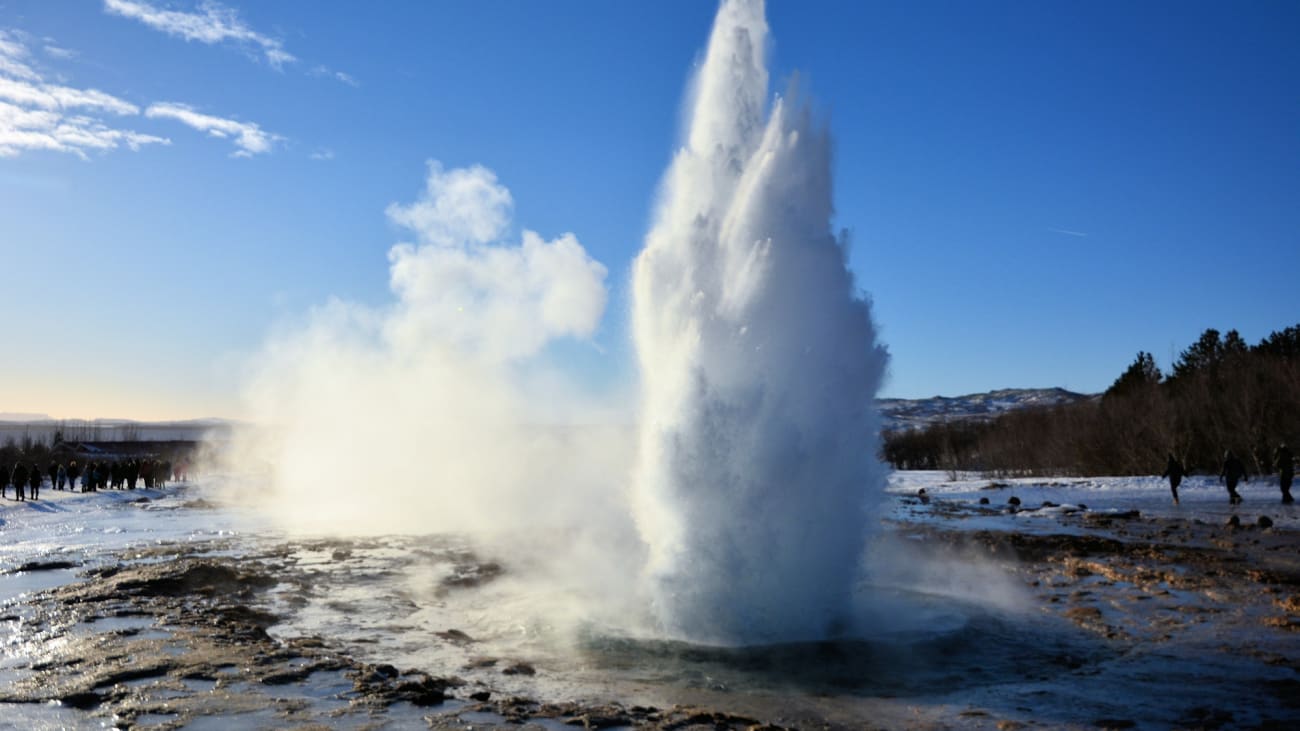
{"type": "Point", "coordinates": [1234, 473]}
{"type": "Point", "coordinates": [114, 474]}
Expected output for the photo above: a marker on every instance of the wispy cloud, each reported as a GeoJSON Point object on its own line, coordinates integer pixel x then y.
{"type": "Point", "coordinates": [213, 24]}
{"type": "Point", "coordinates": [35, 115]}
{"type": "Point", "coordinates": [249, 138]}
{"type": "Point", "coordinates": [322, 154]}
{"type": "Point", "coordinates": [339, 76]}
{"type": "Point", "coordinates": [1067, 232]}
{"type": "Point", "coordinates": [58, 52]}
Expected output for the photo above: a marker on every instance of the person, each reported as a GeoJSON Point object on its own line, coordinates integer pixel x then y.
{"type": "Point", "coordinates": [61, 477]}
{"type": "Point", "coordinates": [20, 481]}
{"type": "Point", "coordinates": [53, 471]}
{"type": "Point", "coordinates": [73, 473]}
{"type": "Point", "coordinates": [1174, 471]}
{"type": "Point", "coordinates": [1285, 464]}
{"type": "Point", "coordinates": [1233, 471]}
{"type": "Point", "coordinates": [34, 479]}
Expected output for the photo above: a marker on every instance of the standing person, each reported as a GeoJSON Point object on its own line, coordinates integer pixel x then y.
{"type": "Point", "coordinates": [1174, 471]}
{"type": "Point", "coordinates": [20, 481]}
{"type": "Point", "coordinates": [1285, 472]}
{"type": "Point", "coordinates": [73, 473]}
{"type": "Point", "coordinates": [1233, 471]}
{"type": "Point", "coordinates": [34, 479]}
{"type": "Point", "coordinates": [61, 477]}
{"type": "Point", "coordinates": [53, 471]}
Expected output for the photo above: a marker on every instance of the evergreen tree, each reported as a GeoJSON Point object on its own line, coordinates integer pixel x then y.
{"type": "Point", "coordinates": [1141, 374]}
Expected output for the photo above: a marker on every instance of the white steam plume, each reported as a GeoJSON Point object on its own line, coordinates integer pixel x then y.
{"type": "Point", "coordinates": [423, 416]}
{"type": "Point", "coordinates": [759, 366]}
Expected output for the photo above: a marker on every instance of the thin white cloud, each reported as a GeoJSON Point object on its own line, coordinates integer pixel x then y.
{"type": "Point", "coordinates": [58, 52]}
{"type": "Point", "coordinates": [14, 58]}
{"type": "Point", "coordinates": [55, 96]}
{"type": "Point", "coordinates": [339, 76]}
{"type": "Point", "coordinates": [250, 138]}
{"type": "Point", "coordinates": [1067, 232]}
{"type": "Point", "coordinates": [322, 154]}
{"type": "Point", "coordinates": [213, 24]}
{"type": "Point", "coordinates": [35, 129]}
{"type": "Point", "coordinates": [35, 115]}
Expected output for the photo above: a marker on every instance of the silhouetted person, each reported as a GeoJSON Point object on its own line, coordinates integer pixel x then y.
{"type": "Point", "coordinates": [73, 473]}
{"type": "Point", "coordinates": [1285, 472]}
{"type": "Point", "coordinates": [1174, 471]}
{"type": "Point", "coordinates": [53, 471]}
{"type": "Point", "coordinates": [61, 477]}
{"type": "Point", "coordinates": [34, 479]}
{"type": "Point", "coordinates": [20, 481]}
{"type": "Point", "coordinates": [1233, 472]}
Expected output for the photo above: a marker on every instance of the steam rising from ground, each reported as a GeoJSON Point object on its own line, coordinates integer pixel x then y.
{"type": "Point", "coordinates": [759, 367]}
{"type": "Point", "coordinates": [437, 413]}
{"type": "Point", "coordinates": [759, 364]}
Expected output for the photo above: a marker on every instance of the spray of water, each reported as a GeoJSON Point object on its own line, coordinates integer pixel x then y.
{"type": "Point", "coordinates": [438, 412]}
{"type": "Point", "coordinates": [759, 366]}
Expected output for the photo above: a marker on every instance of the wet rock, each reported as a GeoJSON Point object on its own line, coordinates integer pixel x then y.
{"type": "Point", "coordinates": [469, 575]}
{"type": "Point", "coordinates": [83, 701]}
{"type": "Point", "coordinates": [341, 555]}
{"type": "Point", "coordinates": [984, 501]}
{"type": "Point", "coordinates": [1049, 504]}
{"type": "Point", "coordinates": [1114, 723]}
{"type": "Point", "coordinates": [456, 637]}
{"type": "Point", "coordinates": [1264, 522]}
{"type": "Point", "coordinates": [924, 496]}
{"type": "Point", "coordinates": [479, 662]}
{"type": "Point", "coordinates": [481, 696]}
{"type": "Point", "coordinates": [1013, 501]}
{"type": "Point", "coordinates": [1234, 522]}
{"type": "Point", "coordinates": [424, 692]}
{"type": "Point", "coordinates": [43, 566]}
{"type": "Point", "coordinates": [519, 668]}
{"type": "Point", "coordinates": [1082, 506]}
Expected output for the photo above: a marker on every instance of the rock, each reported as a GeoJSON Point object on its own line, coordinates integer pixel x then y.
{"type": "Point", "coordinates": [519, 668]}
{"type": "Point", "coordinates": [1082, 506]}
{"type": "Point", "coordinates": [1234, 522]}
{"type": "Point", "coordinates": [481, 696]}
{"type": "Point", "coordinates": [1049, 504]}
{"type": "Point", "coordinates": [1265, 521]}
{"type": "Point", "coordinates": [456, 637]}
{"type": "Point", "coordinates": [82, 701]}
{"type": "Point", "coordinates": [1014, 501]}
{"type": "Point", "coordinates": [924, 496]}
{"type": "Point", "coordinates": [341, 555]}
{"type": "Point", "coordinates": [984, 501]}
{"type": "Point", "coordinates": [1114, 723]}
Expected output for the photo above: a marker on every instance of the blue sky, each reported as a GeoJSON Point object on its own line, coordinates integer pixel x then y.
{"type": "Point", "coordinates": [1034, 191]}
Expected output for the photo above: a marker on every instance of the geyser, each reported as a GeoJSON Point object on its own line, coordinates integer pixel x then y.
{"type": "Point", "coordinates": [759, 368]}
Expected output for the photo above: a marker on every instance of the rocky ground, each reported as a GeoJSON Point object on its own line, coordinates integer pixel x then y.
{"type": "Point", "coordinates": [177, 637]}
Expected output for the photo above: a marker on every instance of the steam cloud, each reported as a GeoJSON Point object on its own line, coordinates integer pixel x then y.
{"type": "Point", "coordinates": [737, 508]}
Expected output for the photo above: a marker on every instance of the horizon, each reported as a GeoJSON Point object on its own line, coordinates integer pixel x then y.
{"type": "Point", "coordinates": [1033, 194]}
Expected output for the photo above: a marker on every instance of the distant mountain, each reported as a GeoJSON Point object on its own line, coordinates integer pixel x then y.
{"type": "Point", "coordinates": [916, 413]}
{"type": "Point", "coordinates": [12, 416]}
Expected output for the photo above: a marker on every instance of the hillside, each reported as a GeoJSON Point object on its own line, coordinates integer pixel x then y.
{"type": "Point", "coordinates": [919, 413]}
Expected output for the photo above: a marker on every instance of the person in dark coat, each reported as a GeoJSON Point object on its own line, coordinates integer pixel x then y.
{"type": "Point", "coordinates": [1174, 471]}
{"type": "Point", "coordinates": [73, 473]}
{"type": "Point", "coordinates": [53, 471]}
{"type": "Point", "coordinates": [1233, 472]}
{"type": "Point", "coordinates": [1285, 464]}
{"type": "Point", "coordinates": [34, 479]}
{"type": "Point", "coordinates": [20, 481]}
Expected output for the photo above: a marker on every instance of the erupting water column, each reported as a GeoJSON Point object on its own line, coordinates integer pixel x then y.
{"type": "Point", "coordinates": [759, 368]}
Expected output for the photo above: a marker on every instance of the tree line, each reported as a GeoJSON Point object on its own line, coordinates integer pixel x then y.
{"type": "Point", "coordinates": [1221, 394]}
